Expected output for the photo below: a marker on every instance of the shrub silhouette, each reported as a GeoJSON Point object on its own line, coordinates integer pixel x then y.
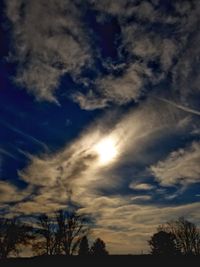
{"type": "Point", "coordinates": [98, 248]}
{"type": "Point", "coordinates": [84, 247]}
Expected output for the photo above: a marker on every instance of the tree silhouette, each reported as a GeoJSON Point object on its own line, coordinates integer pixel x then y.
{"type": "Point", "coordinates": [12, 234]}
{"type": "Point", "coordinates": [60, 234]}
{"type": "Point", "coordinates": [47, 242]}
{"type": "Point", "coordinates": [163, 243]}
{"type": "Point", "coordinates": [71, 229]}
{"type": "Point", "coordinates": [187, 235]}
{"type": "Point", "coordinates": [83, 247]}
{"type": "Point", "coordinates": [98, 248]}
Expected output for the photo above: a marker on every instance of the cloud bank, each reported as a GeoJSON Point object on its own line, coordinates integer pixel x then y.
{"type": "Point", "coordinates": [57, 39]}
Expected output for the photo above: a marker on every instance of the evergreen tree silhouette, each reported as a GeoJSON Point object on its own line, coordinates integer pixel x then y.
{"type": "Point", "coordinates": [83, 247]}
{"type": "Point", "coordinates": [98, 248]}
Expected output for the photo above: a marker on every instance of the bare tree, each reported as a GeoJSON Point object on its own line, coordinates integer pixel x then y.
{"type": "Point", "coordinates": [71, 229]}
{"type": "Point", "coordinates": [12, 234]}
{"type": "Point", "coordinates": [197, 244]}
{"type": "Point", "coordinates": [187, 235]}
{"type": "Point", "coordinates": [47, 242]}
{"type": "Point", "coordinates": [60, 234]}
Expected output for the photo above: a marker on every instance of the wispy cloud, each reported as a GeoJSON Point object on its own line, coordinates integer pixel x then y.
{"type": "Point", "coordinates": [76, 170]}
{"type": "Point", "coordinates": [7, 153]}
{"type": "Point", "coordinates": [49, 42]}
{"type": "Point", "coordinates": [54, 40]}
{"type": "Point", "coordinates": [133, 223]}
{"type": "Point", "coordinates": [111, 89]}
{"type": "Point", "coordinates": [151, 53]}
{"type": "Point", "coordinates": [90, 101]}
{"type": "Point", "coordinates": [180, 167]}
{"type": "Point", "coordinates": [141, 186]}
{"type": "Point", "coordinates": [186, 78]}
{"type": "Point", "coordinates": [27, 136]}
{"type": "Point", "coordinates": [75, 174]}
{"type": "Point", "coordinates": [187, 109]}
{"type": "Point", "coordinates": [10, 193]}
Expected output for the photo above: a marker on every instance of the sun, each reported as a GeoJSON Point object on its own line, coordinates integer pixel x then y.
{"type": "Point", "coordinates": [106, 150]}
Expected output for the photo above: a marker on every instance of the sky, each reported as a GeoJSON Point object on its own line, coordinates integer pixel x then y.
{"type": "Point", "coordinates": [100, 109]}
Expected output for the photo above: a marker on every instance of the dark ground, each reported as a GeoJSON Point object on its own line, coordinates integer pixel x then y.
{"type": "Point", "coordinates": [124, 261]}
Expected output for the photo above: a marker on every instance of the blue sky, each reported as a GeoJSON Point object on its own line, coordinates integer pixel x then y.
{"type": "Point", "coordinates": [100, 107]}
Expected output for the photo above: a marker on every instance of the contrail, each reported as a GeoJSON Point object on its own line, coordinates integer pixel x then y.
{"type": "Point", "coordinates": [33, 139]}
{"type": "Point", "coordinates": [193, 111]}
{"type": "Point", "coordinates": [5, 152]}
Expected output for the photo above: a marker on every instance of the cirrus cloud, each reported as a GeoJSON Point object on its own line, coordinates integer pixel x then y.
{"type": "Point", "coordinates": [180, 167]}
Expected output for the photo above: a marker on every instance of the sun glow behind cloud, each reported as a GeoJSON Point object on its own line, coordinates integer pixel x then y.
{"type": "Point", "coordinates": [106, 150]}
{"type": "Point", "coordinates": [84, 168]}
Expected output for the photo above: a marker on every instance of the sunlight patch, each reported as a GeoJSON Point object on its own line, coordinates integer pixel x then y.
{"type": "Point", "coordinates": [106, 150]}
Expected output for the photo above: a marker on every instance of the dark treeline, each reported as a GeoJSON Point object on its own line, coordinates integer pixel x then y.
{"type": "Point", "coordinates": [67, 233]}
{"type": "Point", "coordinates": [178, 237]}
{"type": "Point", "coordinates": [64, 233]}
